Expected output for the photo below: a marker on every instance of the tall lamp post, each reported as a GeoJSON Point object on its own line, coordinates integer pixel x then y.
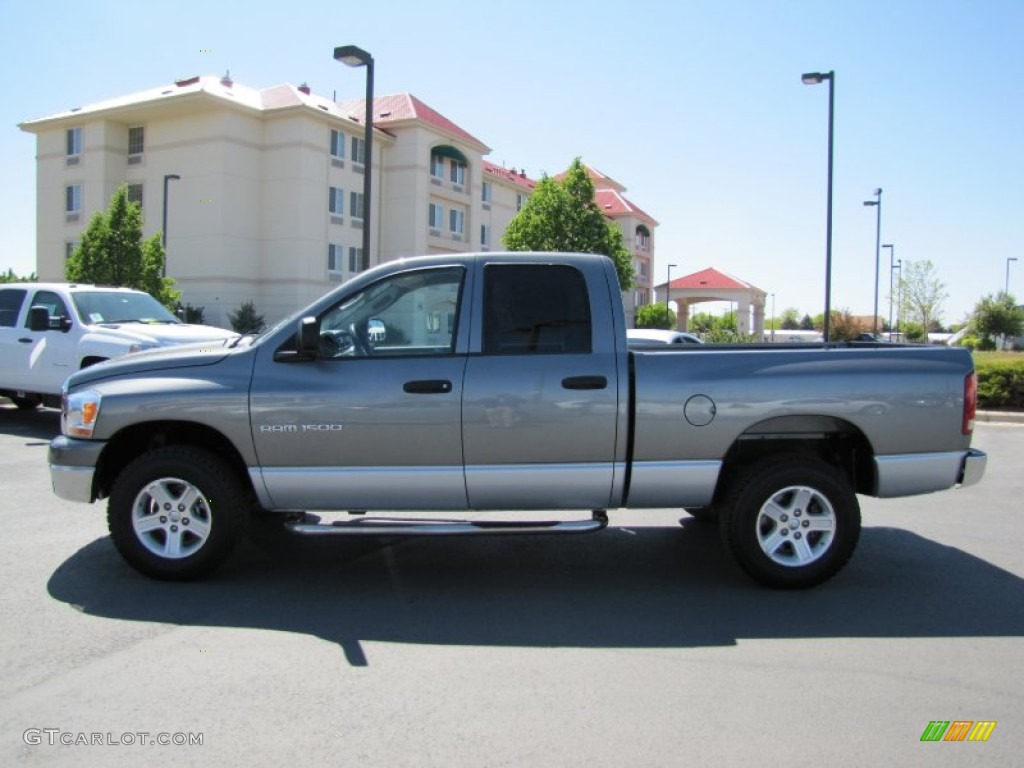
{"type": "Point", "coordinates": [892, 266]}
{"type": "Point", "coordinates": [899, 296]}
{"type": "Point", "coordinates": [815, 78]}
{"type": "Point", "coordinates": [877, 203]}
{"type": "Point", "coordinates": [1006, 285]}
{"type": "Point", "coordinates": [354, 56]}
{"type": "Point", "coordinates": [668, 284]}
{"type": "Point", "coordinates": [773, 317]}
{"type": "Point", "coordinates": [168, 177]}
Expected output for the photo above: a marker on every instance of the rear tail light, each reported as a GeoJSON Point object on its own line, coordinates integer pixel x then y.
{"type": "Point", "coordinates": [970, 402]}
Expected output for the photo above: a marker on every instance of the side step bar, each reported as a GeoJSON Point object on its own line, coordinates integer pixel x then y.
{"type": "Point", "coordinates": [394, 526]}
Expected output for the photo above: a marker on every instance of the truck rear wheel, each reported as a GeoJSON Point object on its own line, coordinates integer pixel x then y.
{"type": "Point", "coordinates": [791, 521]}
{"type": "Point", "coordinates": [176, 513]}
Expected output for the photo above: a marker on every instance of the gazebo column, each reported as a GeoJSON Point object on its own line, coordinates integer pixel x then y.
{"type": "Point", "coordinates": [759, 320]}
{"type": "Point", "coordinates": [682, 314]}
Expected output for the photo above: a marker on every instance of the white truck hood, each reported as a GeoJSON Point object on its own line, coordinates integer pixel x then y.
{"type": "Point", "coordinates": [161, 334]}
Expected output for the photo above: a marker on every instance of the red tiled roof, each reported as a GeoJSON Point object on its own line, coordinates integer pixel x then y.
{"type": "Point", "coordinates": [402, 107]}
{"type": "Point", "coordinates": [711, 279]}
{"type": "Point", "coordinates": [511, 175]}
{"type": "Point", "coordinates": [613, 204]}
{"type": "Point", "coordinates": [601, 181]}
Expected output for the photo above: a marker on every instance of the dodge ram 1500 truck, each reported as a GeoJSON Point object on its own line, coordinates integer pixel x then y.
{"type": "Point", "coordinates": [50, 330]}
{"type": "Point", "coordinates": [503, 381]}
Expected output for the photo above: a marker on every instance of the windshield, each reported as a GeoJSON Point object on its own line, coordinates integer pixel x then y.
{"type": "Point", "coordinates": [121, 307]}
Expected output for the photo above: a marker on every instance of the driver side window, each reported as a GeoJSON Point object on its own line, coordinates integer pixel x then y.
{"type": "Point", "coordinates": [412, 313]}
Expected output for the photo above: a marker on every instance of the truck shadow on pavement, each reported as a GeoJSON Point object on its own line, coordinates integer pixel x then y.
{"type": "Point", "coordinates": [644, 587]}
{"type": "Point", "coordinates": [39, 425]}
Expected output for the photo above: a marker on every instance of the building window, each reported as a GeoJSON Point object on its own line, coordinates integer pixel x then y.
{"type": "Point", "coordinates": [640, 298]}
{"type": "Point", "coordinates": [74, 142]}
{"type": "Point", "coordinates": [485, 192]}
{"type": "Point", "coordinates": [135, 194]}
{"type": "Point", "coordinates": [435, 216]}
{"type": "Point", "coordinates": [458, 173]}
{"type": "Point", "coordinates": [355, 259]}
{"type": "Point", "coordinates": [358, 151]}
{"type": "Point", "coordinates": [643, 237]}
{"type": "Point", "coordinates": [69, 248]}
{"type": "Point", "coordinates": [456, 220]}
{"type": "Point", "coordinates": [520, 200]}
{"type": "Point", "coordinates": [73, 198]}
{"type": "Point", "coordinates": [136, 140]}
{"type": "Point", "coordinates": [335, 253]}
{"type": "Point", "coordinates": [437, 166]}
{"type": "Point", "coordinates": [336, 201]}
{"type": "Point", "coordinates": [338, 145]}
{"type": "Point", "coordinates": [355, 206]}
{"type": "Point", "coordinates": [485, 236]}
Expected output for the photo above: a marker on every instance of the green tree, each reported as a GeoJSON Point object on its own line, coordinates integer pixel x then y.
{"type": "Point", "coordinates": [998, 316]}
{"type": "Point", "coordinates": [10, 277]}
{"type": "Point", "coordinates": [112, 252]}
{"type": "Point", "coordinates": [655, 316]}
{"type": "Point", "coordinates": [563, 216]}
{"type": "Point", "coordinates": [790, 319]}
{"type": "Point", "coordinates": [923, 293]}
{"type": "Point", "coordinates": [807, 323]}
{"type": "Point", "coordinates": [245, 319]}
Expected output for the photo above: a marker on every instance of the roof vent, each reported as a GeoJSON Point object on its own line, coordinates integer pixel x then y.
{"type": "Point", "coordinates": [522, 174]}
{"type": "Point", "coordinates": [304, 88]}
{"type": "Point", "coordinates": [226, 81]}
{"type": "Point", "coordinates": [187, 81]}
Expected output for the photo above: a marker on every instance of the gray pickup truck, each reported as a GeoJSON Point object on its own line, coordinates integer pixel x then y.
{"type": "Point", "coordinates": [502, 381]}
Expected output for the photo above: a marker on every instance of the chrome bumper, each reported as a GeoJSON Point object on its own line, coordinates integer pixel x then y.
{"type": "Point", "coordinates": [73, 467]}
{"type": "Point", "coordinates": [972, 469]}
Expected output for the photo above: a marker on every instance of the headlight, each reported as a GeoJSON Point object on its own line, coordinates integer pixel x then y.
{"type": "Point", "coordinates": [141, 347]}
{"type": "Point", "coordinates": [79, 412]}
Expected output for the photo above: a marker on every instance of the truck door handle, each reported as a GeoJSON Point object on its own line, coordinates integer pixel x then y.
{"type": "Point", "coordinates": [25, 340]}
{"type": "Point", "coordinates": [585, 382]}
{"type": "Point", "coordinates": [428, 387]}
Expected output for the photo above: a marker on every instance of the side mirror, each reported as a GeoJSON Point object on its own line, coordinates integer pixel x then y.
{"type": "Point", "coordinates": [308, 337]}
{"type": "Point", "coordinates": [38, 319]}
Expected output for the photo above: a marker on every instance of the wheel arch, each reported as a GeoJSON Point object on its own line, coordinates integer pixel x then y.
{"type": "Point", "coordinates": [836, 441]}
{"type": "Point", "coordinates": [141, 438]}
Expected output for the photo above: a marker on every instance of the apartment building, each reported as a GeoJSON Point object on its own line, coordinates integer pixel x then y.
{"type": "Point", "coordinates": [264, 188]}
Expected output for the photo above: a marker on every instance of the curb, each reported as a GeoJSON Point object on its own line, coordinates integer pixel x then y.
{"type": "Point", "coordinates": [999, 417]}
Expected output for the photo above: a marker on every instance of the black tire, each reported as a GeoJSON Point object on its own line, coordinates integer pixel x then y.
{"type": "Point", "coordinates": [26, 403]}
{"type": "Point", "coordinates": [790, 522]}
{"type": "Point", "coordinates": [197, 535]}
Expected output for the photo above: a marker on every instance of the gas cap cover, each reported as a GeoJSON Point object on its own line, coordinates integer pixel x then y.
{"type": "Point", "coordinates": [699, 410]}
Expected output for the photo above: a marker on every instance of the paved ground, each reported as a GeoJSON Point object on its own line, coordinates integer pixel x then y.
{"type": "Point", "coordinates": [642, 645]}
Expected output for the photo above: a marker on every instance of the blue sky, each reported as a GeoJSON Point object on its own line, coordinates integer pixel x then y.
{"type": "Point", "coordinates": [696, 107]}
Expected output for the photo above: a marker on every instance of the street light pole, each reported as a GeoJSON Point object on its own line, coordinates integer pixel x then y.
{"type": "Point", "coordinates": [877, 203]}
{"type": "Point", "coordinates": [899, 296]}
{"type": "Point", "coordinates": [773, 317]}
{"type": "Point", "coordinates": [892, 252]}
{"type": "Point", "coordinates": [168, 177]}
{"type": "Point", "coordinates": [1006, 286]}
{"type": "Point", "coordinates": [814, 78]}
{"type": "Point", "coordinates": [668, 284]}
{"type": "Point", "coordinates": [354, 56]}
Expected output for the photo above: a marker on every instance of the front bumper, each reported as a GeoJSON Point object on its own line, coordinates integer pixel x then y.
{"type": "Point", "coordinates": [73, 467]}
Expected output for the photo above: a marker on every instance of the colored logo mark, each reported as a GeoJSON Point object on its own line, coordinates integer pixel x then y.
{"type": "Point", "coordinates": [958, 730]}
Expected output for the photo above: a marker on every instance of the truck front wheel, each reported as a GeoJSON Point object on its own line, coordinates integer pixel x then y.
{"type": "Point", "coordinates": [176, 513]}
{"type": "Point", "coordinates": [791, 521]}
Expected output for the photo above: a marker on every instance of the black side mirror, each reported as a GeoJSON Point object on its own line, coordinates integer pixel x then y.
{"type": "Point", "coordinates": [38, 319]}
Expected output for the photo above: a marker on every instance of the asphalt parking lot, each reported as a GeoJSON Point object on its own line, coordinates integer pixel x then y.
{"type": "Point", "coordinates": [641, 645]}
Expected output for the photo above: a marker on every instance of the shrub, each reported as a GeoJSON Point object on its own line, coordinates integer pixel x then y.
{"type": "Point", "coordinates": [1000, 380]}
{"type": "Point", "coordinates": [245, 319]}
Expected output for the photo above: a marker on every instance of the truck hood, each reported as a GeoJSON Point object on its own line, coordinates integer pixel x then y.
{"type": "Point", "coordinates": [164, 358]}
{"type": "Point", "coordinates": [161, 333]}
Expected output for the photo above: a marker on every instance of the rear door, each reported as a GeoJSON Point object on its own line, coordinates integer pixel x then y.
{"type": "Point", "coordinates": [541, 401]}
{"type": "Point", "coordinates": [14, 353]}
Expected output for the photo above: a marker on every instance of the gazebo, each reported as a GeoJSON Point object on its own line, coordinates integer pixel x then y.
{"type": "Point", "coordinates": [711, 285]}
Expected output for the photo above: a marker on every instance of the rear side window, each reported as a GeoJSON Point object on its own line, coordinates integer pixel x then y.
{"type": "Point", "coordinates": [535, 309]}
{"type": "Point", "coordinates": [11, 300]}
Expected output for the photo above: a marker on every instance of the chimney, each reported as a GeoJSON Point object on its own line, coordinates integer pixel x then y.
{"type": "Point", "coordinates": [304, 89]}
{"type": "Point", "coordinates": [226, 81]}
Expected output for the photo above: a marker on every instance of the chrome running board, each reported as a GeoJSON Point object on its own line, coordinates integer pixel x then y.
{"type": "Point", "coordinates": [393, 526]}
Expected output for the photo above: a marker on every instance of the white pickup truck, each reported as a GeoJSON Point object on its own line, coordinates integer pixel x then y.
{"type": "Point", "coordinates": [50, 330]}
